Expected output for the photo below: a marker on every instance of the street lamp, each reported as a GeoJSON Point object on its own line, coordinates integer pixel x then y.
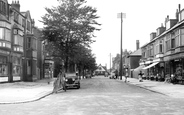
{"type": "Point", "coordinates": [121, 15]}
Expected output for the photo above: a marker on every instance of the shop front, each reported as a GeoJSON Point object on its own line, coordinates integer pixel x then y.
{"type": "Point", "coordinates": [17, 66]}
{"type": "Point", "coordinates": [48, 68]}
{"type": "Point", "coordinates": [174, 66]}
{"type": "Point", "coordinates": [4, 68]}
{"type": "Point", "coordinates": [155, 70]}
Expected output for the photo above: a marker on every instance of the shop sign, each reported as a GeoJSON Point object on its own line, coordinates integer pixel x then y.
{"type": "Point", "coordinates": [16, 78]}
{"type": "Point", "coordinates": [3, 79]}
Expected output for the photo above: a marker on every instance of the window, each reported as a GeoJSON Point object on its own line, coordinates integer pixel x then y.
{"type": "Point", "coordinates": [182, 36]}
{"type": "Point", "coordinates": [29, 42]}
{"type": "Point", "coordinates": [5, 34]}
{"type": "Point", "coordinates": [3, 7]}
{"type": "Point", "coordinates": [28, 67]}
{"type": "Point", "coordinates": [18, 38]}
{"type": "Point", "coordinates": [168, 42]}
{"type": "Point", "coordinates": [34, 44]}
{"type": "Point", "coordinates": [182, 15]}
{"type": "Point", "coordinates": [2, 33]}
{"type": "Point", "coordinates": [3, 69]}
{"type": "Point", "coordinates": [173, 43]}
{"type": "Point", "coordinates": [152, 51]}
{"type": "Point", "coordinates": [28, 25]}
{"type": "Point", "coordinates": [16, 17]}
{"type": "Point", "coordinates": [23, 22]}
{"type": "Point", "coordinates": [8, 35]}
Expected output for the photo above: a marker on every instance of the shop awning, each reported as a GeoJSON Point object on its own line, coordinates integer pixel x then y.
{"type": "Point", "coordinates": [151, 65]}
{"type": "Point", "coordinates": [139, 68]}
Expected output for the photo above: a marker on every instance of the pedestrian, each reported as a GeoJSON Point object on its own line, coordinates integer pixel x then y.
{"type": "Point", "coordinates": [57, 83]}
{"type": "Point", "coordinates": [126, 75]}
{"type": "Point", "coordinates": [60, 82]}
{"type": "Point", "coordinates": [140, 76]}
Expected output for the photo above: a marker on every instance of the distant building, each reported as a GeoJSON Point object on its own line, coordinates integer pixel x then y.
{"type": "Point", "coordinates": [100, 70]}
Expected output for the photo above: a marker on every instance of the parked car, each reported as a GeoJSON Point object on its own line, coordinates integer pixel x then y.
{"type": "Point", "coordinates": [112, 75]}
{"type": "Point", "coordinates": [72, 80]}
{"type": "Point", "coordinates": [88, 75]}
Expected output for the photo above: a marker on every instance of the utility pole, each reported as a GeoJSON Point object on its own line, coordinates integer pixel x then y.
{"type": "Point", "coordinates": [121, 49]}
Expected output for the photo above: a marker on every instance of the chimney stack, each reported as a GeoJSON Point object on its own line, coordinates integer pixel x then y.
{"type": "Point", "coordinates": [137, 44]}
{"type": "Point", "coordinates": [15, 4]}
{"type": "Point", "coordinates": [179, 7]}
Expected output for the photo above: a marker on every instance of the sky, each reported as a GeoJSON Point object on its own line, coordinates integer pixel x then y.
{"type": "Point", "coordinates": [142, 18]}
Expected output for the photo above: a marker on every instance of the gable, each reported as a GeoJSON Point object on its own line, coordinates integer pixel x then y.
{"type": "Point", "coordinates": [100, 68]}
{"type": "Point", "coordinates": [28, 15]}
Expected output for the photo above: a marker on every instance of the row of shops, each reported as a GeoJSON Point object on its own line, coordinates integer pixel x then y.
{"type": "Point", "coordinates": [161, 69]}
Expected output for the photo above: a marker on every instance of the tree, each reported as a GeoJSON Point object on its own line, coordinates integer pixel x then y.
{"type": "Point", "coordinates": [69, 24]}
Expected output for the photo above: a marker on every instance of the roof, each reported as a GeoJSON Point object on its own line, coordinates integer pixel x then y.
{"type": "Point", "coordinates": [136, 53]}
{"type": "Point", "coordinates": [101, 68]}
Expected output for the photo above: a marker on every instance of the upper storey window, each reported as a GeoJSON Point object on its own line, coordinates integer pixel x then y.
{"type": "Point", "coordinates": [28, 26]}
{"type": "Point", "coordinates": [16, 17]}
{"type": "Point", "coordinates": [3, 7]}
{"type": "Point", "coordinates": [182, 15]}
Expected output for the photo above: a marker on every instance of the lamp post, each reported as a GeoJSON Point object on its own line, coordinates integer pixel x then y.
{"type": "Point", "coordinates": [121, 15]}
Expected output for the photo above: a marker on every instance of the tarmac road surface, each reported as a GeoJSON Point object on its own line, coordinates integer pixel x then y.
{"type": "Point", "coordinates": [100, 96]}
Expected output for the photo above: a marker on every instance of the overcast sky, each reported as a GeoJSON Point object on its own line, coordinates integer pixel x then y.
{"type": "Point", "coordinates": [142, 18]}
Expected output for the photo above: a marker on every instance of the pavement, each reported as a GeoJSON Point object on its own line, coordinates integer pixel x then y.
{"type": "Point", "coordinates": [24, 92]}
{"type": "Point", "coordinates": [169, 89]}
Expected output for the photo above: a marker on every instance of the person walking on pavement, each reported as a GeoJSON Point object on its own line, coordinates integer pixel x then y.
{"type": "Point", "coordinates": [140, 76]}
{"type": "Point", "coordinates": [126, 74]}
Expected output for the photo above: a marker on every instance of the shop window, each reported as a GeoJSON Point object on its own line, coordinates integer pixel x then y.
{"type": "Point", "coordinates": [167, 69]}
{"type": "Point", "coordinates": [3, 70]}
{"type": "Point", "coordinates": [29, 67]}
{"type": "Point", "coordinates": [16, 70]}
{"type": "Point", "coordinates": [34, 67]}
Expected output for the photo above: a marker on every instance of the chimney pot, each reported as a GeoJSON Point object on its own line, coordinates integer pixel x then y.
{"type": "Point", "coordinates": [137, 44]}
{"type": "Point", "coordinates": [179, 7]}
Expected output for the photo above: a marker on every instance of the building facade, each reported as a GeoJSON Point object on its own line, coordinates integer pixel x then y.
{"type": "Point", "coordinates": [18, 44]}
{"type": "Point", "coordinates": [163, 56]}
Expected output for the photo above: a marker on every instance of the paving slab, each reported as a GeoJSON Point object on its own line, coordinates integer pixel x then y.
{"type": "Point", "coordinates": [173, 90]}
{"type": "Point", "coordinates": [22, 92]}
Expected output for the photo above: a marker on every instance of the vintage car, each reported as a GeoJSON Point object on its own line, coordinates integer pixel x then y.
{"type": "Point", "coordinates": [72, 80]}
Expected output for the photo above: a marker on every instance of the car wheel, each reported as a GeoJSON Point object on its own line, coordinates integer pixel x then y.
{"type": "Point", "coordinates": [78, 87]}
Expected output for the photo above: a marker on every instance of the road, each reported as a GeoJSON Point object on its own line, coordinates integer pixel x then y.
{"type": "Point", "coordinates": [100, 96]}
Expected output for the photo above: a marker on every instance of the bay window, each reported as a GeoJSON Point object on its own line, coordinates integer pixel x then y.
{"type": "Point", "coordinates": [182, 36]}
{"type": "Point", "coordinates": [5, 34]}
{"type": "Point", "coordinates": [168, 42]}
{"type": "Point", "coordinates": [18, 38]}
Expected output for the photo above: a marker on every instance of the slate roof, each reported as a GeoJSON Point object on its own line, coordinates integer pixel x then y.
{"type": "Point", "coordinates": [136, 53]}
